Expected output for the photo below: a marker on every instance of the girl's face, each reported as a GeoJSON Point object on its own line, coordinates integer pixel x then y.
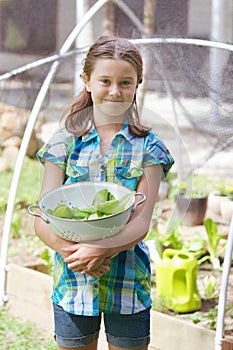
{"type": "Point", "coordinates": [112, 84]}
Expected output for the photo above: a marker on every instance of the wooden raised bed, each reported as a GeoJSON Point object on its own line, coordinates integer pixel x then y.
{"type": "Point", "coordinates": [29, 294]}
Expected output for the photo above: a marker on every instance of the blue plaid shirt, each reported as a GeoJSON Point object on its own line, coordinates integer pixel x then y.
{"type": "Point", "coordinates": [125, 288]}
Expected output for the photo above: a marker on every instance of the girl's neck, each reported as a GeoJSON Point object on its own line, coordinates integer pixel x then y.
{"type": "Point", "coordinates": [108, 131]}
{"type": "Point", "coordinates": [107, 127]}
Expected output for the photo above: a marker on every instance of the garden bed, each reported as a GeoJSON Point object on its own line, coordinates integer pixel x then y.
{"type": "Point", "coordinates": [29, 295]}
{"type": "Point", "coordinates": [29, 290]}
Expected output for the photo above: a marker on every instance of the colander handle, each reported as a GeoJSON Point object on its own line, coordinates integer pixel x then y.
{"type": "Point", "coordinates": [139, 202]}
{"type": "Point", "coordinates": [31, 211]}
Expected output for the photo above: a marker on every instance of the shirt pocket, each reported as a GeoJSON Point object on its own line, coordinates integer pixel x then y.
{"type": "Point", "coordinates": [128, 176]}
{"type": "Point", "coordinates": [76, 173]}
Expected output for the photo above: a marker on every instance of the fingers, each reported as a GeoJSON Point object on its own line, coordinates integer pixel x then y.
{"type": "Point", "coordinates": [71, 248]}
{"type": "Point", "coordinates": [107, 261]}
{"type": "Point", "coordinates": [95, 271]}
{"type": "Point", "coordinates": [100, 271]}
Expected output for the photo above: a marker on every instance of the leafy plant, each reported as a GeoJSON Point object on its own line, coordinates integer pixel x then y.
{"type": "Point", "coordinates": [173, 239]}
{"type": "Point", "coordinates": [195, 246]}
{"type": "Point", "coordinates": [210, 317]}
{"type": "Point", "coordinates": [154, 235]}
{"type": "Point", "coordinates": [213, 243]}
{"type": "Point", "coordinates": [195, 317]}
{"type": "Point", "coordinates": [222, 189]}
{"type": "Point", "coordinates": [197, 186]}
{"type": "Point", "coordinates": [29, 184]}
{"type": "Point", "coordinates": [229, 191]}
{"type": "Point", "coordinates": [47, 257]}
{"type": "Point", "coordinates": [16, 224]}
{"type": "Point", "coordinates": [210, 287]}
{"type": "Point", "coordinates": [16, 334]}
{"type": "Point", "coordinates": [158, 302]}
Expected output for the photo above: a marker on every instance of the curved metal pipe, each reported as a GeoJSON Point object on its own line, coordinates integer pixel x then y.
{"type": "Point", "coordinates": [223, 289]}
{"type": "Point", "coordinates": [197, 42]}
{"type": "Point", "coordinates": [40, 62]}
{"type": "Point", "coordinates": [146, 41]}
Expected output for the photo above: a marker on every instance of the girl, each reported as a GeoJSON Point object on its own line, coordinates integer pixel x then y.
{"type": "Point", "coordinates": [103, 140]}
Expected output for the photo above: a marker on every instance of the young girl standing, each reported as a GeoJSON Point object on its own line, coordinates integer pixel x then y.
{"type": "Point", "coordinates": [103, 140]}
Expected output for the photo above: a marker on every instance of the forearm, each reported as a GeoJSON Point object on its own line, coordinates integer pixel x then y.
{"type": "Point", "coordinates": [134, 232]}
{"type": "Point", "coordinates": [50, 238]}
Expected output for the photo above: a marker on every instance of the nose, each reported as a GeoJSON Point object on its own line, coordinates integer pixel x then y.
{"type": "Point", "coordinates": [114, 90]}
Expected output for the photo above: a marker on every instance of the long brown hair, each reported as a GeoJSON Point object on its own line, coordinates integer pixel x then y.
{"type": "Point", "coordinates": [78, 116]}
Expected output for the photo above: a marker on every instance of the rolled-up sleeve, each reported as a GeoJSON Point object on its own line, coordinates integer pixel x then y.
{"type": "Point", "coordinates": [156, 152]}
{"type": "Point", "coordinates": [56, 149]}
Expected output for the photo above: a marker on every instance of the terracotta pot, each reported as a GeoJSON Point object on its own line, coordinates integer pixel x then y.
{"type": "Point", "coordinates": [191, 210]}
{"type": "Point", "coordinates": [214, 202]}
{"type": "Point", "coordinates": [226, 210]}
{"type": "Point", "coordinates": [227, 344]}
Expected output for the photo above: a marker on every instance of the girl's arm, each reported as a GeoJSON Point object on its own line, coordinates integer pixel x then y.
{"type": "Point", "coordinates": [86, 257]}
{"type": "Point", "coordinates": [53, 177]}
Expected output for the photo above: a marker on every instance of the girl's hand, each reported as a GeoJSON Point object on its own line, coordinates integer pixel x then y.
{"type": "Point", "coordinates": [86, 259]}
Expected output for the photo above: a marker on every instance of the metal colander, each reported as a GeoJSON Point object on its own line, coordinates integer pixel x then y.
{"type": "Point", "coordinates": [81, 194]}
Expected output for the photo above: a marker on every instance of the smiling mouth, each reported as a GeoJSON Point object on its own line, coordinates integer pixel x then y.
{"type": "Point", "coordinates": [113, 101]}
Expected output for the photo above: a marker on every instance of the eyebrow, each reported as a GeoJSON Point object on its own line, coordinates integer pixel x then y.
{"type": "Point", "coordinates": [107, 76]}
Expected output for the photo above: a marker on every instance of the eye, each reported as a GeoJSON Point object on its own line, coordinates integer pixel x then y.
{"type": "Point", "coordinates": [105, 81]}
{"type": "Point", "coordinates": [125, 83]}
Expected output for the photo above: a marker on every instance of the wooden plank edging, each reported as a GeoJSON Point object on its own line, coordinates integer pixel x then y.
{"type": "Point", "coordinates": [30, 292]}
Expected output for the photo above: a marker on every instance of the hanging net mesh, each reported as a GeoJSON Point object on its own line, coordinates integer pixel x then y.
{"type": "Point", "coordinates": [188, 75]}
{"type": "Point", "coordinates": [198, 81]}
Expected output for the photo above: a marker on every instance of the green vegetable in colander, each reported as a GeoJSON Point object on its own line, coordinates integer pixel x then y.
{"type": "Point", "coordinates": [103, 204]}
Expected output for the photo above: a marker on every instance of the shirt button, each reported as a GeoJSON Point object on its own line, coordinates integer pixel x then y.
{"type": "Point", "coordinates": [96, 285]}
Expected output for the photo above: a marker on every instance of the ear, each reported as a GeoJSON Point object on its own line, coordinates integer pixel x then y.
{"type": "Point", "coordinates": [87, 86]}
{"type": "Point", "coordinates": [86, 82]}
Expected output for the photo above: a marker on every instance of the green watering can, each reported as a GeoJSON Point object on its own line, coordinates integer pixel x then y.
{"type": "Point", "coordinates": [176, 281]}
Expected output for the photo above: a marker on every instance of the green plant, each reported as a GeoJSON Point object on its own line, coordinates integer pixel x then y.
{"type": "Point", "coordinates": [210, 287]}
{"type": "Point", "coordinates": [29, 184]}
{"type": "Point", "coordinates": [229, 192]}
{"type": "Point", "coordinates": [222, 189]}
{"type": "Point", "coordinates": [154, 235]}
{"type": "Point", "coordinates": [158, 303]}
{"type": "Point", "coordinates": [209, 318]}
{"type": "Point", "coordinates": [195, 317]}
{"type": "Point", "coordinates": [16, 224]}
{"type": "Point", "coordinates": [47, 257]}
{"type": "Point", "coordinates": [212, 241]}
{"type": "Point", "coordinates": [197, 186]}
{"type": "Point", "coordinates": [195, 246]}
{"type": "Point", "coordinates": [171, 239]}
{"type": "Point", "coordinates": [16, 334]}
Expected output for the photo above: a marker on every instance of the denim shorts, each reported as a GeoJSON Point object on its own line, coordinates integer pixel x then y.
{"type": "Point", "coordinates": [124, 331]}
